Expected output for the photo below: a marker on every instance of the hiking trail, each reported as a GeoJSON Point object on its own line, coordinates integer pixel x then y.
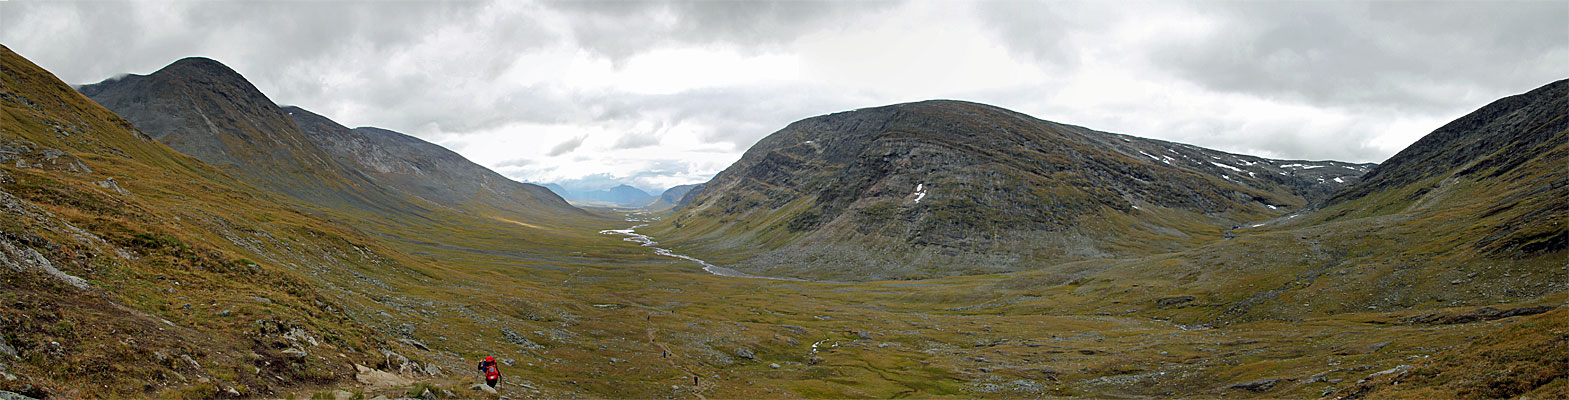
{"type": "Point", "coordinates": [703, 384]}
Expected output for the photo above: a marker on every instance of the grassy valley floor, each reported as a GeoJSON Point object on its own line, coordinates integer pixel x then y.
{"type": "Point", "coordinates": [615, 320]}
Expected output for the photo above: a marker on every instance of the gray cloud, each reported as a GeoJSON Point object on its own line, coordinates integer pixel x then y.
{"type": "Point", "coordinates": [637, 140]}
{"type": "Point", "coordinates": [1315, 80]}
{"type": "Point", "coordinates": [620, 29]}
{"type": "Point", "coordinates": [567, 146]}
{"type": "Point", "coordinates": [1424, 56]}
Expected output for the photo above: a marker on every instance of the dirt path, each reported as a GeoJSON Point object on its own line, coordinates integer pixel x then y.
{"type": "Point", "coordinates": [670, 358]}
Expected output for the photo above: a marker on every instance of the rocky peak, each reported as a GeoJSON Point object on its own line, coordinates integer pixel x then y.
{"type": "Point", "coordinates": [203, 108]}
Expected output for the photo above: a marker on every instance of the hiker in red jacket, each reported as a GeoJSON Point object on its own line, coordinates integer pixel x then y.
{"type": "Point", "coordinates": [492, 372]}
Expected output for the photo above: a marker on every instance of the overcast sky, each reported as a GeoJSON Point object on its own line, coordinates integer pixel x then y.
{"type": "Point", "coordinates": [663, 93]}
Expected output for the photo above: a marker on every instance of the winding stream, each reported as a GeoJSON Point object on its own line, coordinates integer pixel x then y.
{"type": "Point", "coordinates": [645, 241]}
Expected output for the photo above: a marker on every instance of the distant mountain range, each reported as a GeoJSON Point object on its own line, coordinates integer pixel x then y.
{"type": "Point", "coordinates": [624, 196]}
{"type": "Point", "coordinates": [617, 196]}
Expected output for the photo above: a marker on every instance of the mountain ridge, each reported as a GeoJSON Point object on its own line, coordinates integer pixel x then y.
{"type": "Point", "coordinates": [929, 173]}
{"type": "Point", "coordinates": [206, 110]}
{"type": "Point", "coordinates": [424, 169]}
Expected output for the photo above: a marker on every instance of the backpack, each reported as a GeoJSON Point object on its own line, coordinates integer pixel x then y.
{"type": "Point", "coordinates": [491, 372]}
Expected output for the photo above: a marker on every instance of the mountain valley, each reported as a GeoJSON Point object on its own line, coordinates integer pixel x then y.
{"type": "Point", "coordinates": [180, 235]}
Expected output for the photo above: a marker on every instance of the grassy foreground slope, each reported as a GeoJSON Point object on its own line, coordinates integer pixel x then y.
{"type": "Point", "coordinates": [132, 270]}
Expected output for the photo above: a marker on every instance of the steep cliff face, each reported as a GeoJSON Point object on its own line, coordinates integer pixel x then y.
{"type": "Point", "coordinates": [975, 188]}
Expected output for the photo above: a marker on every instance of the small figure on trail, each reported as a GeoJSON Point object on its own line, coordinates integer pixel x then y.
{"type": "Point", "coordinates": [694, 380]}
{"type": "Point", "coordinates": [492, 372]}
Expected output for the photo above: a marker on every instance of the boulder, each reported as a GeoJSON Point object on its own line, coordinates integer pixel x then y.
{"type": "Point", "coordinates": [417, 344]}
{"type": "Point", "coordinates": [1261, 385]}
{"type": "Point", "coordinates": [397, 362]}
{"type": "Point", "coordinates": [483, 387]}
{"type": "Point", "coordinates": [5, 348]}
{"type": "Point", "coordinates": [1171, 301]}
{"type": "Point", "coordinates": [188, 360]}
{"type": "Point", "coordinates": [378, 379]}
{"type": "Point", "coordinates": [1396, 370]}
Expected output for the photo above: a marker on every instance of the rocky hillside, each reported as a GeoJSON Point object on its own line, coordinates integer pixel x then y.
{"type": "Point", "coordinates": [945, 187]}
{"type": "Point", "coordinates": [204, 109]}
{"type": "Point", "coordinates": [1496, 139]}
{"type": "Point", "coordinates": [1473, 214]}
{"type": "Point", "coordinates": [426, 171]}
{"type": "Point", "coordinates": [1505, 163]}
{"type": "Point", "coordinates": [130, 270]}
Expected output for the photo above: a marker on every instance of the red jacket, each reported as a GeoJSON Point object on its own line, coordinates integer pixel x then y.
{"type": "Point", "coordinates": [490, 369]}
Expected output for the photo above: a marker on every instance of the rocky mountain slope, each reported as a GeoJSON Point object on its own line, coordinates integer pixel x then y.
{"type": "Point", "coordinates": [424, 170]}
{"type": "Point", "coordinates": [204, 109]}
{"type": "Point", "coordinates": [130, 270]}
{"type": "Point", "coordinates": [1476, 212]}
{"type": "Point", "coordinates": [1472, 215]}
{"type": "Point", "coordinates": [1418, 233]}
{"type": "Point", "coordinates": [945, 187]}
{"type": "Point", "coordinates": [1505, 162]}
